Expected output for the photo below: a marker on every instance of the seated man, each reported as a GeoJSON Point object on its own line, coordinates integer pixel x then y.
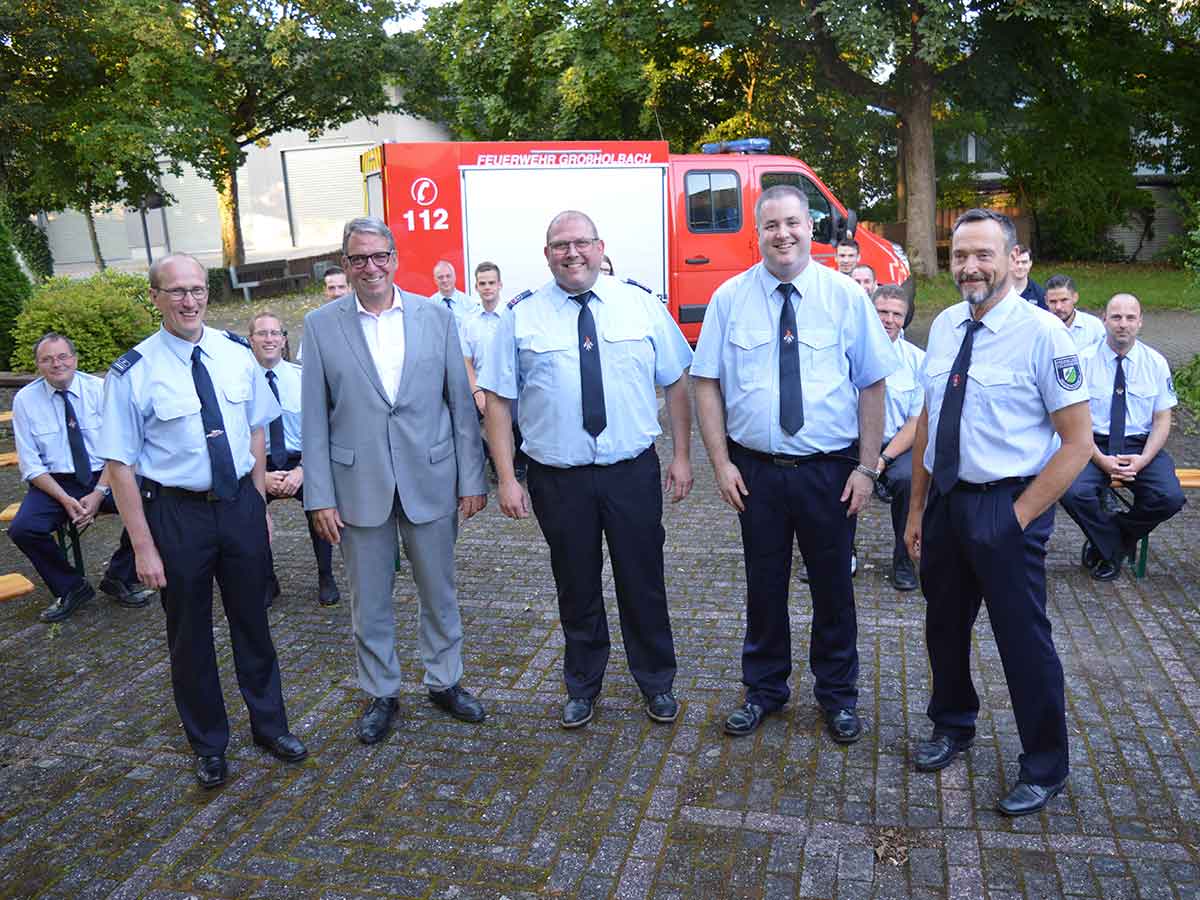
{"type": "Point", "coordinates": [285, 474]}
{"type": "Point", "coordinates": [903, 401]}
{"type": "Point", "coordinates": [1062, 297]}
{"type": "Point", "coordinates": [1131, 396]}
{"type": "Point", "coordinates": [56, 419]}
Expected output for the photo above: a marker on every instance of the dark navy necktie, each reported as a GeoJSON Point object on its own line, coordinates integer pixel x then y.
{"type": "Point", "coordinates": [945, 457]}
{"type": "Point", "coordinates": [79, 454]}
{"type": "Point", "coordinates": [791, 394]}
{"type": "Point", "coordinates": [449, 304]}
{"type": "Point", "coordinates": [1116, 413]}
{"type": "Point", "coordinates": [594, 418]}
{"type": "Point", "coordinates": [224, 476]}
{"type": "Point", "coordinates": [275, 429]}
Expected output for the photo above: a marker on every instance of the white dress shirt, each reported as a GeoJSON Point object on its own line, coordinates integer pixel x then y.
{"type": "Point", "coordinates": [384, 334]}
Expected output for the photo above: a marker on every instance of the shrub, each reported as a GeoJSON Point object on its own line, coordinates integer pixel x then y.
{"type": "Point", "coordinates": [1187, 385]}
{"type": "Point", "coordinates": [14, 291]}
{"type": "Point", "coordinates": [104, 315]}
{"type": "Point", "coordinates": [30, 240]}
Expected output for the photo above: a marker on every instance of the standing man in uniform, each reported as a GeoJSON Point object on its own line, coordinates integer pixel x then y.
{"type": "Point", "coordinates": [448, 294]}
{"type": "Point", "coordinates": [1001, 378]}
{"type": "Point", "coordinates": [285, 471]}
{"type": "Point", "coordinates": [584, 353]}
{"type": "Point", "coordinates": [391, 444]}
{"type": "Point", "coordinates": [1027, 289]}
{"type": "Point", "coordinates": [865, 276]}
{"type": "Point", "coordinates": [186, 407]}
{"type": "Point", "coordinates": [56, 426]}
{"type": "Point", "coordinates": [789, 376]}
{"type": "Point", "coordinates": [847, 255]}
{"type": "Point", "coordinates": [1061, 298]}
{"type": "Point", "coordinates": [1131, 396]}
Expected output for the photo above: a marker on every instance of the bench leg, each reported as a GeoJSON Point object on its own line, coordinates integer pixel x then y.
{"type": "Point", "coordinates": [1143, 551]}
{"type": "Point", "coordinates": [69, 533]}
{"type": "Point", "coordinates": [246, 294]}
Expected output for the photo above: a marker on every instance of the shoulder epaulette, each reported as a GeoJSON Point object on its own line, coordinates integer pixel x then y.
{"type": "Point", "coordinates": [638, 284]}
{"type": "Point", "coordinates": [238, 339]}
{"type": "Point", "coordinates": [125, 362]}
{"type": "Point", "coordinates": [517, 299]}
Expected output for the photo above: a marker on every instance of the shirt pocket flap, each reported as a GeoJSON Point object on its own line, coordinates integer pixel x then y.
{"type": "Point", "coordinates": [818, 338]}
{"type": "Point", "coordinates": [45, 426]}
{"type": "Point", "coordinates": [749, 338]}
{"type": "Point", "coordinates": [343, 455]}
{"type": "Point", "coordinates": [237, 393]}
{"type": "Point", "coordinates": [1144, 390]}
{"type": "Point", "coordinates": [901, 380]}
{"type": "Point", "coordinates": [168, 408]}
{"type": "Point", "coordinates": [546, 343]}
{"type": "Point", "coordinates": [991, 376]}
{"type": "Point", "coordinates": [625, 333]}
{"type": "Point", "coordinates": [935, 368]}
{"type": "Point", "coordinates": [440, 451]}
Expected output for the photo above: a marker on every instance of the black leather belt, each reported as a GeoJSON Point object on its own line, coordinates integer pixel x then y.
{"type": "Point", "coordinates": [788, 461]}
{"type": "Point", "coordinates": [151, 490]}
{"type": "Point", "coordinates": [981, 488]}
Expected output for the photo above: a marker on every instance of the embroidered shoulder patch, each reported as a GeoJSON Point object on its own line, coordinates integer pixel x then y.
{"type": "Point", "coordinates": [238, 339]}
{"type": "Point", "coordinates": [638, 284]}
{"type": "Point", "coordinates": [1171, 385]}
{"type": "Point", "coordinates": [1066, 370]}
{"type": "Point", "coordinates": [124, 363]}
{"type": "Point", "coordinates": [517, 299]}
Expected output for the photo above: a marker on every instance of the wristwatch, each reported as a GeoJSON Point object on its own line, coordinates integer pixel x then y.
{"type": "Point", "coordinates": [868, 471]}
{"type": "Point", "coordinates": [887, 460]}
{"type": "Point", "coordinates": [105, 489]}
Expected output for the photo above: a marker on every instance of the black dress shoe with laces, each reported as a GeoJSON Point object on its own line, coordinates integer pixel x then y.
{"type": "Point", "coordinates": [904, 575]}
{"type": "Point", "coordinates": [64, 607]}
{"type": "Point", "coordinates": [1026, 798]}
{"type": "Point", "coordinates": [745, 719]}
{"type": "Point", "coordinates": [844, 725]}
{"type": "Point", "coordinates": [377, 720]}
{"type": "Point", "coordinates": [459, 703]}
{"type": "Point", "coordinates": [133, 596]}
{"type": "Point", "coordinates": [327, 591]}
{"type": "Point", "coordinates": [577, 712]}
{"type": "Point", "coordinates": [662, 707]}
{"type": "Point", "coordinates": [211, 771]}
{"type": "Point", "coordinates": [1106, 570]}
{"type": "Point", "coordinates": [286, 747]}
{"type": "Point", "coordinates": [1089, 556]}
{"type": "Point", "coordinates": [939, 751]}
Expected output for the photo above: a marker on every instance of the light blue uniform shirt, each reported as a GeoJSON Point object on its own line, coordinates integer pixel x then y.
{"type": "Point", "coordinates": [460, 305]}
{"type": "Point", "coordinates": [40, 425]}
{"type": "Point", "coordinates": [534, 356]}
{"type": "Point", "coordinates": [287, 379]}
{"type": "Point", "coordinates": [1085, 330]}
{"type": "Point", "coordinates": [1148, 386]}
{"type": "Point", "coordinates": [903, 396]}
{"type": "Point", "coordinates": [152, 412]}
{"type": "Point", "coordinates": [1023, 367]}
{"type": "Point", "coordinates": [477, 330]}
{"type": "Point", "coordinates": [843, 348]}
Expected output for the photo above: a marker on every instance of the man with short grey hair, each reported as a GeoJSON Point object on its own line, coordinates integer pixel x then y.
{"type": "Point", "coordinates": [447, 292]}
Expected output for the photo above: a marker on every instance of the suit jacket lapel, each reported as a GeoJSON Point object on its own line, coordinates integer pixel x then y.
{"type": "Point", "coordinates": [415, 318]}
{"type": "Point", "coordinates": [352, 330]}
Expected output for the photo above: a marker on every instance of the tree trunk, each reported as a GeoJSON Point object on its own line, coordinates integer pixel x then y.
{"type": "Point", "coordinates": [916, 114]}
{"type": "Point", "coordinates": [91, 224]}
{"type": "Point", "coordinates": [901, 175]}
{"type": "Point", "coordinates": [233, 251]}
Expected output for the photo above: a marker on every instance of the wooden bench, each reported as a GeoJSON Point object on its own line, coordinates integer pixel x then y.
{"type": "Point", "coordinates": [66, 534]}
{"type": "Point", "coordinates": [1189, 479]}
{"type": "Point", "coordinates": [6, 416]}
{"type": "Point", "coordinates": [261, 274]}
{"type": "Point", "coordinates": [8, 459]}
{"type": "Point", "coordinates": [14, 585]}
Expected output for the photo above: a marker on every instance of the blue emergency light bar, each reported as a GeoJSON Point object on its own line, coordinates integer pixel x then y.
{"type": "Point", "coordinates": [744, 145]}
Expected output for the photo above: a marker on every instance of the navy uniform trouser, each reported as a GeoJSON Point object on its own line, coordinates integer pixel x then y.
{"type": "Point", "coordinates": [200, 540]}
{"type": "Point", "coordinates": [1156, 497]}
{"type": "Point", "coordinates": [973, 550]}
{"type": "Point", "coordinates": [898, 477]}
{"type": "Point", "coordinates": [322, 549]}
{"type": "Point", "coordinates": [575, 508]}
{"type": "Point", "coordinates": [798, 503]}
{"type": "Point", "coordinates": [32, 530]}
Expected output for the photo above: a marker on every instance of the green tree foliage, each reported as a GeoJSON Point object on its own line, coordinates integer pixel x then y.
{"type": "Point", "coordinates": [29, 240]}
{"type": "Point", "coordinates": [104, 315]}
{"type": "Point", "coordinates": [14, 290]}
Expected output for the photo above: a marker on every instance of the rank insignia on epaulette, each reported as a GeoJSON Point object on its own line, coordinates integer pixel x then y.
{"type": "Point", "coordinates": [638, 284]}
{"type": "Point", "coordinates": [124, 363]}
{"type": "Point", "coordinates": [238, 339]}
{"type": "Point", "coordinates": [517, 299]}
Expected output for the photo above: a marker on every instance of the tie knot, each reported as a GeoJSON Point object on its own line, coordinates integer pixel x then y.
{"type": "Point", "coordinates": [270, 375]}
{"type": "Point", "coordinates": [785, 290]}
{"type": "Point", "coordinates": [196, 354]}
{"type": "Point", "coordinates": [582, 299]}
{"type": "Point", "coordinates": [62, 393]}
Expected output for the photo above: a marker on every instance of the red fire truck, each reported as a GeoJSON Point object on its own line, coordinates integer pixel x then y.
{"type": "Point", "coordinates": [678, 224]}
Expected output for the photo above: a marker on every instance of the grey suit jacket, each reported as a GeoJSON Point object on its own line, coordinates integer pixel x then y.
{"type": "Point", "coordinates": [359, 450]}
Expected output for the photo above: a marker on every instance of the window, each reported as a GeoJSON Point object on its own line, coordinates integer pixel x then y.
{"type": "Point", "coordinates": [818, 203]}
{"type": "Point", "coordinates": [714, 202]}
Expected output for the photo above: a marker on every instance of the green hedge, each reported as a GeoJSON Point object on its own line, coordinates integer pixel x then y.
{"type": "Point", "coordinates": [30, 240]}
{"type": "Point", "coordinates": [104, 315]}
{"type": "Point", "coordinates": [1187, 384]}
{"type": "Point", "coordinates": [14, 291]}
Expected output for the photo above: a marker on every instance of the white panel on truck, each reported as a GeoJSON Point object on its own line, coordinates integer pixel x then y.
{"type": "Point", "coordinates": [506, 211]}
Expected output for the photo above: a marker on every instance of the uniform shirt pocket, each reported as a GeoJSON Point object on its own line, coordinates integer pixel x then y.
{"type": "Point", "coordinates": [179, 422]}
{"type": "Point", "coordinates": [752, 356]}
{"type": "Point", "coordinates": [629, 352]}
{"type": "Point", "coordinates": [1139, 407]}
{"type": "Point", "coordinates": [545, 359]}
{"type": "Point", "coordinates": [824, 354]}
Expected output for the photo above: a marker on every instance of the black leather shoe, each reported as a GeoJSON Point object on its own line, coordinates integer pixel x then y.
{"type": "Point", "coordinates": [1106, 570]}
{"type": "Point", "coordinates": [577, 712]}
{"type": "Point", "coordinates": [211, 771]}
{"type": "Point", "coordinates": [376, 722]}
{"type": "Point", "coordinates": [844, 725]}
{"type": "Point", "coordinates": [1089, 556]}
{"type": "Point", "coordinates": [459, 703]}
{"type": "Point", "coordinates": [904, 575]}
{"type": "Point", "coordinates": [327, 591]}
{"type": "Point", "coordinates": [286, 747]}
{"type": "Point", "coordinates": [65, 606]}
{"type": "Point", "coordinates": [745, 719]}
{"type": "Point", "coordinates": [1027, 798]}
{"type": "Point", "coordinates": [272, 593]}
{"type": "Point", "coordinates": [939, 751]}
{"type": "Point", "coordinates": [133, 596]}
{"type": "Point", "coordinates": [662, 707]}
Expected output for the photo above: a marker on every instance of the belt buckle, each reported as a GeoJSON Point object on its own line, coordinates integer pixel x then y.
{"type": "Point", "coordinates": [786, 462]}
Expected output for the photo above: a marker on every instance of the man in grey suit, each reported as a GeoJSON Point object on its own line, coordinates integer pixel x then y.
{"type": "Point", "coordinates": [391, 443]}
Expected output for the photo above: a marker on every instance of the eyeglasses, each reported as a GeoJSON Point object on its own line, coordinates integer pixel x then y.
{"type": "Point", "coordinates": [177, 294]}
{"type": "Point", "coordinates": [359, 260]}
{"type": "Point", "coordinates": [579, 245]}
{"type": "Point", "coordinates": [60, 359]}
{"type": "Point", "coordinates": [271, 333]}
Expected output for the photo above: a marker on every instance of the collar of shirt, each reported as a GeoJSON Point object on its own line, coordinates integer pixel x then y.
{"type": "Point", "coordinates": [397, 304]}
{"type": "Point", "coordinates": [1109, 355]}
{"type": "Point", "coordinates": [561, 298]}
{"type": "Point", "coordinates": [803, 282]}
{"type": "Point", "coordinates": [995, 318]}
{"type": "Point", "coordinates": [183, 349]}
{"type": "Point", "coordinates": [72, 388]}
{"type": "Point", "coordinates": [481, 311]}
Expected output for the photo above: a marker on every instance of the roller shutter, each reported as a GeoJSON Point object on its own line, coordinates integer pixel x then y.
{"type": "Point", "coordinates": [324, 189]}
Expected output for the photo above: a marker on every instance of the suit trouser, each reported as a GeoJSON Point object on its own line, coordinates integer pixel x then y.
{"type": "Point", "coordinates": [622, 503]}
{"type": "Point", "coordinates": [199, 540]}
{"type": "Point", "coordinates": [973, 550]}
{"type": "Point", "coordinates": [40, 515]}
{"type": "Point", "coordinates": [800, 503]}
{"type": "Point", "coordinates": [370, 556]}
{"type": "Point", "coordinates": [1156, 497]}
{"type": "Point", "coordinates": [898, 477]}
{"type": "Point", "coordinates": [322, 549]}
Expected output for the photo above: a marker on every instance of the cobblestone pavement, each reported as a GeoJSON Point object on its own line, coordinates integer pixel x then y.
{"type": "Point", "coordinates": [97, 797]}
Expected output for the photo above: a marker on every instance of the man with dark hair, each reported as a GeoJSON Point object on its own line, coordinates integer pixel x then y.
{"type": "Point", "coordinates": [1004, 432]}
{"type": "Point", "coordinates": [865, 276]}
{"type": "Point", "coordinates": [848, 254]}
{"type": "Point", "coordinates": [1061, 297]}
{"type": "Point", "coordinates": [1026, 287]}
{"type": "Point", "coordinates": [789, 375]}
{"type": "Point", "coordinates": [56, 427]}
{"type": "Point", "coordinates": [1131, 396]}
{"type": "Point", "coordinates": [335, 282]}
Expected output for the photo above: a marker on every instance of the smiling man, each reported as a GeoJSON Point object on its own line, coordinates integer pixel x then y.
{"type": "Point", "coordinates": [448, 294]}
{"type": "Point", "coordinates": [789, 376]}
{"type": "Point", "coordinates": [1061, 299]}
